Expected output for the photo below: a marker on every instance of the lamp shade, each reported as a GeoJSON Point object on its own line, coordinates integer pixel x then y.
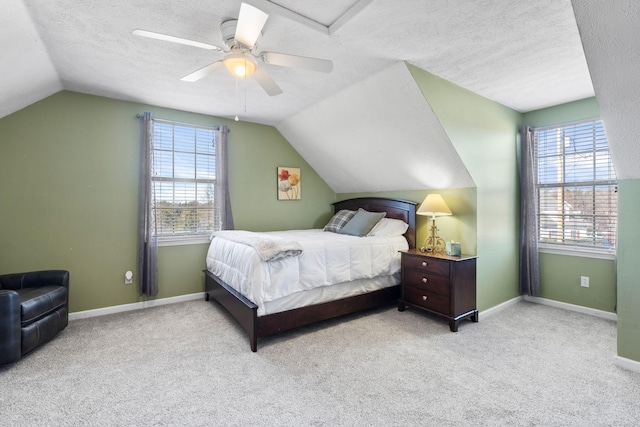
{"type": "Point", "coordinates": [434, 205]}
{"type": "Point", "coordinates": [240, 65]}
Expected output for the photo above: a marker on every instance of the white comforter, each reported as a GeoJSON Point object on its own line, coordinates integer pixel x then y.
{"type": "Point", "coordinates": [327, 259]}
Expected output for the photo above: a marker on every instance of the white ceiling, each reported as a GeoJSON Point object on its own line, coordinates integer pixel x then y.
{"type": "Point", "coordinates": [400, 142]}
{"type": "Point", "coordinates": [612, 46]}
{"type": "Point", "coordinates": [26, 72]}
{"type": "Point", "coordinates": [525, 55]}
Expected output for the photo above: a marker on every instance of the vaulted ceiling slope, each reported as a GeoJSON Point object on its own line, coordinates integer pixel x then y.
{"type": "Point", "coordinates": [377, 135]}
{"type": "Point", "coordinates": [612, 47]}
{"type": "Point", "coordinates": [26, 72]}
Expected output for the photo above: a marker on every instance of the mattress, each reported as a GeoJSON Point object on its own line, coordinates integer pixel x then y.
{"type": "Point", "coordinates": [352, 264]}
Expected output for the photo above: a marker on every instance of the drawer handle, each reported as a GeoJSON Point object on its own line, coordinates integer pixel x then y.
{"type": "Point", "coordinates": [424, 280]}
{"type": "Point", "coordinates": [425, 263]}
{"type": "Point", "coordinates": [424, 297]}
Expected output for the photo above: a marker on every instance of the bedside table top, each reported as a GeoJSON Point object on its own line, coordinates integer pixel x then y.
{"type": "Point", "coordinates": [439, 256]}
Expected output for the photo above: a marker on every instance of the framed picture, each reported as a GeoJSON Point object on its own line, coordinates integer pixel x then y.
{"type": "Point", "coordinates": [289, 183]}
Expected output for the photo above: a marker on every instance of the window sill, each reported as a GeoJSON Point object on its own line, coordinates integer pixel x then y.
{"type": "Point", "coordinates": [181, 241]}
{"type": "Point", "coordinates": [577, 251]}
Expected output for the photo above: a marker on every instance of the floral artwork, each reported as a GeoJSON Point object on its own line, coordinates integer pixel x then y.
{"type": "Point", "coordinates": [288, 183]}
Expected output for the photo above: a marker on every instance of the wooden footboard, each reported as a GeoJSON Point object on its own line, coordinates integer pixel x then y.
{"type": "Point", "coordinates": [241, 308]}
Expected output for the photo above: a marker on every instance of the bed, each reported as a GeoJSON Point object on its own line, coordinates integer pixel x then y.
{"type": "Point", "coordinates": [259, 320]}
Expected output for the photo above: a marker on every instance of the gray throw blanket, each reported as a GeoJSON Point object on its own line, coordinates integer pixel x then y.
{"type": "Point", "coordinates": [270, 248]}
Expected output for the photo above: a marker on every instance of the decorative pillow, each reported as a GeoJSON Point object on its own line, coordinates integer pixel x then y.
{"type": "Point", "coordinates": [388, 227]}
{"type": "Point", "coordinates": [362, 222]}
{"type": "Point", "coordinates": [339, 220]}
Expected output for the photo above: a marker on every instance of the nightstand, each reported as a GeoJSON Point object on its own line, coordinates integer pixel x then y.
{"type": "Point", "coordinates": [443, 285]}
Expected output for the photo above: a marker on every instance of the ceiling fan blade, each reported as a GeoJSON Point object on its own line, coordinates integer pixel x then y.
{"type": "Point", "coordinates": [266, 82]}
{"type": "Point", "coordinates": [285, 60]}
{"type": "Point", "coordinates": [250, 23]}
{"type": "Point", "coordinates": [202, 72]}
{"type": "Point", "coordinates": [165, 37]}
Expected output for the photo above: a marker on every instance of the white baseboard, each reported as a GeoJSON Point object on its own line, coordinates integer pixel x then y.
{"type": "Point", "coordinates": [628, 364]}
{"type": "Point", "coordinates": [572, 307]}
{"type": "Point", "coordinates": [498, 308]}
{"type": "Point", "coordinates": [133, 306]}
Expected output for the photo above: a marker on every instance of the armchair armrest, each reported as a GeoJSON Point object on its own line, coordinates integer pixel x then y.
{"type": "Point", "coordinates": [10, 333]}
{"type": "Point", "coordinates": [35, 279]}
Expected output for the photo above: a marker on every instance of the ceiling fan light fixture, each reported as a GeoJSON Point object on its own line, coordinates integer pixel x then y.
{"type": "Point", "coordinates": [240, 65]}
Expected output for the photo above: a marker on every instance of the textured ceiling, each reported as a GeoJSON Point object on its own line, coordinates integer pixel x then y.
{"type": "Point", "coordinates": [525, 55]}
{"type": "Point", "coordinates": [612, 47]}
{"type": "Point", "coordinates": [26, 73]}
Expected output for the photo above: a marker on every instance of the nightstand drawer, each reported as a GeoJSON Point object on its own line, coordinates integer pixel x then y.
{"type": "Point", "coordinates": [426, 281]}
{"type": "Point", "coordinates": [428, 300]}
{"type": "Point", "coordinates": [427, 264]}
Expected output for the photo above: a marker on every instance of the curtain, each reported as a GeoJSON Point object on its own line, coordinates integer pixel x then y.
{"type": "Point", "coordinates": [222, 199]}
{"type": "Point", "coordinates": [147, 241]}
{"type": "Point", "coordinates": [529, 273]}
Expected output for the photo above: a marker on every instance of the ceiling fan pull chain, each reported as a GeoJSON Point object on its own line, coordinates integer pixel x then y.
{"type": "Point", "coordinates": [236, 118]}
{"type": "Point", "coordinates": [245, 93]}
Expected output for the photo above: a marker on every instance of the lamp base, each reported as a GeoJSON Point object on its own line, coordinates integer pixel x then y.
{"type": "Point", "coordinates": [433, 243]}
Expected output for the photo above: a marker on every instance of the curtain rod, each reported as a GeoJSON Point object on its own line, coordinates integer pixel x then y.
{"type": "Point", "coordinates": [139, 116]}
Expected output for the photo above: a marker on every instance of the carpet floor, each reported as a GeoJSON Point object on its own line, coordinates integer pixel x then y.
{"type": "Point", "coordinates": [189, 364]}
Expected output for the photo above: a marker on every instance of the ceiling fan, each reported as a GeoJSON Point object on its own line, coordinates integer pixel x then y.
{"type": "Point", "coordinates": [241, 60]}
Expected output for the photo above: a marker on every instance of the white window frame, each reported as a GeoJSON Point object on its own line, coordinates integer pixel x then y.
{"type": "Point", "coordinates": [186, 238]}
{"type": "Point", "coordinates": [566, 248]}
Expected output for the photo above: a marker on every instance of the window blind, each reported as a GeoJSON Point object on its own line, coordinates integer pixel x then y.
{"type": "Point", "coordinates": [576, 185]}
{"type": "Point", "coordinates": [183, 177]}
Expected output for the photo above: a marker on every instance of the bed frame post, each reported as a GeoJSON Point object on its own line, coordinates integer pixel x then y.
{"type": "Point", "coordinates": [244, 311]}
{"type": "Point", "coordinates": [253, 334]}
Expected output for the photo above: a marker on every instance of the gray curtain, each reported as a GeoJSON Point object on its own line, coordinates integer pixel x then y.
{"type": "Point", "coordinates": [147, 241]}
{"type": "Point", "coordinates": [222, 199]}
{"type": "Point", "coordinates": [529, 273]}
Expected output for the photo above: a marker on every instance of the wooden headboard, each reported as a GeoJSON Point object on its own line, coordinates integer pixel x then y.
{"type": "Point", "coordinates": [396, 209]}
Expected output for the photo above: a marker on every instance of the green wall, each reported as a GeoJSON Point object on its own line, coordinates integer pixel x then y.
{"type": "Point", "coordinates": [560, 274]}
{"type": "Point", "coordinates": [69, 168]}
{"type": "Point", "coordinates": [560, 281]}
{"type": "Point", "coordinates": [628, 269]}
{"type": "Point", "coordinates": [484, 134]}
{"type": "Point", "coordinates": [564, 113]}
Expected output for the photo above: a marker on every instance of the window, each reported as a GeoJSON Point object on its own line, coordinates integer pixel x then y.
{"type": "Point", "coordinates": [576, 186]}
{"type": "Point", "coordinates": [183, 180]}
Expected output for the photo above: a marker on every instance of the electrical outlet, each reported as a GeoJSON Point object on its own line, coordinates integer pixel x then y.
{"type": "Point", "coordinates": [128, 277]}
{"type": "Point", "coordinates": [584, 281]}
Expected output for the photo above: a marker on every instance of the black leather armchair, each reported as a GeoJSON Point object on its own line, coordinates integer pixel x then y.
{"type": "Point", "coordinates": [34, 307]}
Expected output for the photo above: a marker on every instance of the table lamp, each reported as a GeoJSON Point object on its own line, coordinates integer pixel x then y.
{"type": "Point", "coordinates": [434, 205]}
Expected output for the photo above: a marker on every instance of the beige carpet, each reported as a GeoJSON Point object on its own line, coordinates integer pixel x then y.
{"type": "Point", "coordinates": [189, 364]}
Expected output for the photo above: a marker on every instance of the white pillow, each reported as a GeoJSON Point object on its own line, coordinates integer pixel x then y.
{"type": "Point", "coordinates": [388, 227]}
